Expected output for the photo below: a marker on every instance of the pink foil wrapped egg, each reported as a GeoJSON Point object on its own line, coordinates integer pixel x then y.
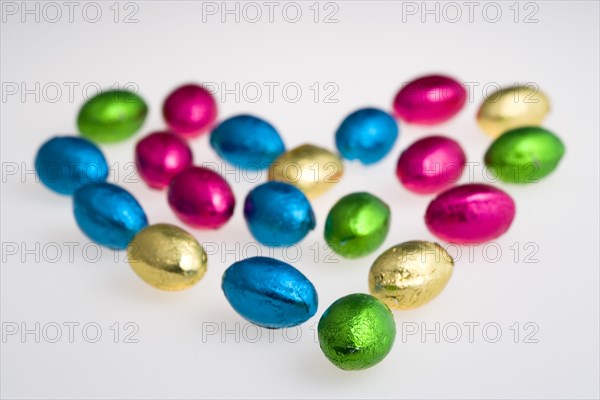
{"type": "Point", "coordinates": [201, 198]}
{"type": "Point", "coordinates": [472, 213]}
{"type": "Point", "coordinates": [431, 164]}
{"type": "Point", "coordinates": [190, 110]}
{"type": "Point", "coordinates": [430, 100]}
{"type": "Point", "coordinates": [160, 156]}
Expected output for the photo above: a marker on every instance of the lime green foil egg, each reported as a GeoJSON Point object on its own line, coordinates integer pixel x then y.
{"type": "Point", "coordinates": [112, 116]}
{"type": "Point", "coordinates": [524, 155]}
{"type": "Point", "coordinates": [356, 332]}
{"type": "Point", "coordinates": [357, 225]}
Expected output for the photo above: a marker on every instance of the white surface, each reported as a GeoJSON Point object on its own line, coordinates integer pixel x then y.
{"type": "Point", "coordinates": [368, 54]}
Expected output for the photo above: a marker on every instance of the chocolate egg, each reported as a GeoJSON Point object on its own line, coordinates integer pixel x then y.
{"type": "Point", "coordinates": [431, 164]}
{"type": "Point", "coordinates": [472, 213]}
{"type": "Point", "coordinates": [112, 116]}
{"type": "Point", "coordinates": [167, 257]}
{"type": "Point", "coordinates": [430, 100]}
{"type": "Point", "coordinates": [201, 198]}
{"type": "Point", "coordinates": [160, 156]}
{"type": "Point", "coordinates": [410, 274]}
{"type": "Point", "coordinates": [366, 135]}
{"type": "Point", "coordinates": [311, 169]}
{"type": "Point", "coordinates": [512, 107]}
{"type": "Point", "coordinates": [524, 155]}
{"type": "Point", "coordinates": [278, 214]}
{"type": "Point", "coordinates": [269, 292]}
{"type": "Point", "coordinates": [64, 164]}
{"type": "Point", "coordinates": [190, 110]}
{"type": "Point", "coordinates": [356, 332]}
{"type": "Point", "coordinates": [107, 214]}
{"type": "Point", "coordinates": [357, 225]}
{"type": "Point", "coordinates": [247, 142]}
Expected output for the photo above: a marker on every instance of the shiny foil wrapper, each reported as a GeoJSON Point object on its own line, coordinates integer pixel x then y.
{"type": "Point", "coordinates": [356, 332]}
{"type": "Point", "coordinates": [410, 274]}
{"type": "Point", "coordinates": [167, 257]}
{"type": "Point", "coordinates": [312, 169]}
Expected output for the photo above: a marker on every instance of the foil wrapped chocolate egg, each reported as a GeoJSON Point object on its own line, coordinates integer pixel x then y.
{"type": "Point", "coordinates": [357, 225]}
{"type": "Point", "coordinates": [112, 116]}
{"type": "Point", "coordinates": [201, 198]}
{"type": "Point", "coordinates": [356, 332]}
{"type": "Point", "coordinates": [311, 169]}
{"type": "Point", "coordinates": [190, 110]}
{"type": "Point", "coordinates": [431, 164]}
{"type": "Point", "coordinates": [278, 214]}
{"type": "Point", "coordinates": [366, 135]}
{"type": "Point", "coordinates": [524, 155]}
{"type": "Point", "coordinates": [66, 163]}
{"type": "Point", "coordinates": [430, 100]}
{"type": "Point", "coordinates": [167, 257]}
{"type": "Point", "coordinates": [269, 292]}
{"type": "Point", "coordinates": [512, 107]}
{"type": "Point", "coordinates": [247, 142]}
{"type": "Point", "coordinates": [160, 156]}
{"type": "Point", "coordinates": [410, 274]}
{"type": "Point", "coordinates": [108, 214]}
{"type": "Point", "coordinates": [471, 213]}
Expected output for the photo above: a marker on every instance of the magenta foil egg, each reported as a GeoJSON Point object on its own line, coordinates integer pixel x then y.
{"type": "Point", "coordinates": [430, 100]}
{"type": "Point", "coordinates": [201, 198]}
{"type": "Point", "coordinates": [472, 213]}
{"type": "Point", "coordinates": [190, 110]}
{"type": "Point", "coordinates": [160, 156]}
{"type": "Point", "coordinates": [431, 164]}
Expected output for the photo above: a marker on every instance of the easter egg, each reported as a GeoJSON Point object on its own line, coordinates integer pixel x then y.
{"type": "Point", "coordinates": [108, 214]}
{"type": "Point", "coordinates": [357, 225]}
{"type": "Point", "coordinates": [269, 292]}
{"type": "Point", "coordinates": [66, 163]}
{"type": "Point", "coordinates": [160, 156]}
{"type": "Point", "coordinates": [190, 110]}
{"type": "Point", "coordinates": [430, 100]}
{"type": "Point", "coordinates": [431, 164]}
{"type": "Point", "coordinates": [512, 107]}
{"type": "Point", "coordinates": [366, 135]}
{"type": "Point", "coordinates": [201, 198]}
{"type": "Point", "coordinates": [247, 142]}
{"type": "Point", "coordinates": [112, 116]}
{"type": "Point", "coordinates": [278, 214]}
{"type": "Point", "coordinates": [471, 213]}
{"type": "Point", "coordinates": [356, 332]}
{"type": "Point", "coordinates": [524, 155]}
{"type": "Point", "coordinates": [410, 274]}
{"type": "Point", "coordinates": [167, 257]}
{"type": "Point", "coordinates": [312, 169]}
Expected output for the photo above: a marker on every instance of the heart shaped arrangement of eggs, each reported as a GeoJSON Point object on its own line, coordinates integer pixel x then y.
{"type": "Point", "coordinates": [356, 331]}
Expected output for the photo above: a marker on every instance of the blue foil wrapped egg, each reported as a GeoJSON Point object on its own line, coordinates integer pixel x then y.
{"type": "Point", "coordinates": [247, 142]}
{"type": "Point", "coordinates": [278, 214]}
{"type": "Point", "coordinates": [66, 163]}
{"type": "Point", "coordinates": [366, 135]}
{"type": "Point", "coordinates": [269, 292]}
{"type": "Point", "coordinates": [108, 215]}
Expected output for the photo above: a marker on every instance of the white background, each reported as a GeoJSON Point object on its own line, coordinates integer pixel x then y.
{"type": "Point", "coordinates": [372, 49]}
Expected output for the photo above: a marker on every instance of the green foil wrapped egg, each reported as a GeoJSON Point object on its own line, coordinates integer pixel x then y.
{"type": "Point", "coordinates": [524, 155]}
{"type": "Point", "coordinates": [357, 225]}
{"type": "Point", "coordinates": [356, 332]}
{"type": "Point", "coordinates": [112, 116]}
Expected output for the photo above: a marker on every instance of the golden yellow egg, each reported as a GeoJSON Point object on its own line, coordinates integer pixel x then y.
{"type": "Point", "coordinates": [410, 274]}
{"type": "Point", "coordinates": [512, 107]}
{"type": "Point", "coordinates": [311, 169]}
{"type": "Point", "coordinates": [167, 257]}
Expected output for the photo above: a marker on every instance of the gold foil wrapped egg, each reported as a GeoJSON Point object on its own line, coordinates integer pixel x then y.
{"type": "Point", "coordinates": [167, 257]}
{"type": "Point", "coordinates": [410, 274]}
{"type": "Point", "coordinates": [512, 107]}
{"type": "Point", "coordinates": [311, 169]}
